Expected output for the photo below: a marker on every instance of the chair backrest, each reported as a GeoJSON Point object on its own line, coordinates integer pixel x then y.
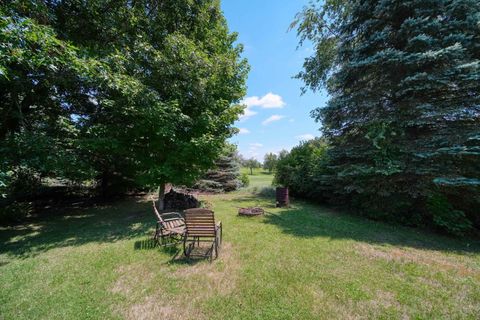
{"type": "Point", "coordinates": [168, 224]}
{"type": "Point", "coordinates": [155, 210]}
{"type": "Point", "coordinates": [200, 222]}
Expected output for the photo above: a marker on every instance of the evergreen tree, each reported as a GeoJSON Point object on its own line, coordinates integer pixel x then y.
{"type": "Point", "coordinates": [225, 176]}
{"type": "Point", "coordinates": [404, 114]}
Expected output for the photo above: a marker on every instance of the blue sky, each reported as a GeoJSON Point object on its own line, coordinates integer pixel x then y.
{"type": "Point", "coordinates": [278, 116]}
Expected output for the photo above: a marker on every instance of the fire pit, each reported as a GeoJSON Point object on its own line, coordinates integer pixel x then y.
{"type": "Point", "coordinates": [250, 212]}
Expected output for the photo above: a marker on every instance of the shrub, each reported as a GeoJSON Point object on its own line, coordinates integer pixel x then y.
{"type": "Point", "coordinates": [245, 180]}
{"type": "Point", "coordinates": [24, 183]}
{"type": "Point", "coordinates": [3, 184]}
{"type": "Point", "coordinates": [266, 192]}
{"type": "Point", "coordinates": [15, 211]}
{"type": "Point", "coordinates": [446, 217]}
{"type": "Point", "coordinates": [302, 169]}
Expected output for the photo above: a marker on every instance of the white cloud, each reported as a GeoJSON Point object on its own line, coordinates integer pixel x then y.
{"type": "Point", "coordinates": [268, 101]}
{"type": "Point", "coordinates": [273, 118]}
{"type": "Point", "coordinates": [307, 136]}
{"type": "Point", "coordinates": [256, 145]}
{"type": "Point", "coordinates": [247, 113]}
{"type": "Point", "coordinates": [243, 131]}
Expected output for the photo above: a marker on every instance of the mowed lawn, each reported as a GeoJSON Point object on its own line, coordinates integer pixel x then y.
{"type": "Point", "coordinates": [304, 262]}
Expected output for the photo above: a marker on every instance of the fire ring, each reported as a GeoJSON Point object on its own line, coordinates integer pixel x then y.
{"type": "Point", "coordinates": [250, 212]}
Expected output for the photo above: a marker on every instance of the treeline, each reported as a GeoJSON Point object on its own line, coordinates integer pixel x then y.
{"type": "Point", "coordinates": [401, 130]}
{"type": "Point", "coordinates": [118, 94]}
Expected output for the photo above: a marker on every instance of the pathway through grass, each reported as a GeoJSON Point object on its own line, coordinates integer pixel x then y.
{"type": "Point", "coordinates": [305, 262]}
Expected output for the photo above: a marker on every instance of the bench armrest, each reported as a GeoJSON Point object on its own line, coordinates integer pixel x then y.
{"type": "Point", "coordinates": [174, 215]}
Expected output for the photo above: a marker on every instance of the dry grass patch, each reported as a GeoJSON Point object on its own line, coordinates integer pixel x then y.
{"type": "Point", "coordinates": [154, 307]}
{"type": "Point", "coordinates": [149, 294]}
{"type": "Point", "coordinates": [428, 258]}
{"type": "Point", "coordinates": [131, 277]}
{"type": "Point", "coordinates": [133, 281]}
{"type": "Point", "coordinates": [382, 305]}
{"type": "Point", "coordinates": [216, 278]}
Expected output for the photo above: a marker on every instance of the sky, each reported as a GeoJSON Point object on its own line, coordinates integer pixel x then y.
{"type": "Point", "coordinates": [277, 116]}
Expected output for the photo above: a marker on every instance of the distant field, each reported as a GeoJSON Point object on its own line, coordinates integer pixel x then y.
{"type": "Point", "coordinates": [303, 262]}
{"type": "Point", "coordinates": [260, 178]}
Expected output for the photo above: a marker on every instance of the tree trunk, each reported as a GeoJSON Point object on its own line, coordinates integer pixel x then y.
{"type": "Point", "coordinates": [161, 196]}
{"type": "Point", "coordinates": [251, 171]}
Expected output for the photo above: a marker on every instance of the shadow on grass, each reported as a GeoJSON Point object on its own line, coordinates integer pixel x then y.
{"type": "Point", "coordinates": [308, 220]}
{"type": "Point", "coordinates": [174, 249]}
{"type": "Point", "coordinates": [180, 259]}
{"type": "Point", "coordinates": [147, 244]}
{"type": "Point", "coordinates": [108, 223]}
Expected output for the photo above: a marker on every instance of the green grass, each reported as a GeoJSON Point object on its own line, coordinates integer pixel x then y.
{"type": "Point", "coordinates": [259, 180]}
{"type": "Point", "coordinates": [304, 262]}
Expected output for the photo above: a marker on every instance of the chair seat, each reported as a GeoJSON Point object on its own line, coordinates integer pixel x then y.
{"type": "Point", "coordinates": [177, 230]}
{"type": "Point", "coordinates": [176, 223]}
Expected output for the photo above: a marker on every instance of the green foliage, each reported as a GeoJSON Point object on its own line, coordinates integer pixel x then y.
{"type": "Point", "coordinates": [445, 217]}
{"type": "Point", "coordinates": [270, 161]}
{"type": "Point", "coordinates": [225, 175]}
{"type": "Point", "coordinates": [245, 180]}
{"type": "Point", "coordinates": [24, 182]}
{"type": "Point", "coordinates": [303, 168]}
{"type": "Point", "coordinates": [208, 185]}
{"type": "Point", "coordinates": [403, 115]}
{"type": "Point", "coordinates": [4, 180]}
{"type": "Point", "coordinates": [251, 164]}
{"type": "Point", "coordinates": [14, 212]}
{"type": "Point", "coordinates": [127, 93]}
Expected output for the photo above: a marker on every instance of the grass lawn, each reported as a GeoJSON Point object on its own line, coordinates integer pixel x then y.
{"type": "Point", "coordinates": [305, 262]}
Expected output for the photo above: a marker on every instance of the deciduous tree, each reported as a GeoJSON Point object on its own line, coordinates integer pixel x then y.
{"type": "Point", "coordinates": [252, 163]}
{"type": "Point", "coordinates": [158, 96]}
{"type": "Point", "coordinates": [270, 161]}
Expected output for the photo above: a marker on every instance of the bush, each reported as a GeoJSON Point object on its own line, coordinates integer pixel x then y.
{"type": "Point", "coordinates": [15, 211]}
{"type": "Point", "coordinates": [245, 180]}
{"type": "Point", "coordinates": [3, 184]}
{"type": "Point", "coordinates": [266, 192]}
{"type": "Point", "coordinates": [24, 183]}
{"type": "Point", "coordinates": [302, 169]}
{"type": "Point", "coordinates": [446, 217]}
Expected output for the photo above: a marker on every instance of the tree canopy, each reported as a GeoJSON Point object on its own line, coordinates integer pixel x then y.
{"type": "Point", "coordinates": [123, 92]}
{"type": "Point", "coordinates": [403, 116]}
{"type": "Point", "coordinates": [252, 163]}
{"type": "Point", "coordinates": [270, 161]}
